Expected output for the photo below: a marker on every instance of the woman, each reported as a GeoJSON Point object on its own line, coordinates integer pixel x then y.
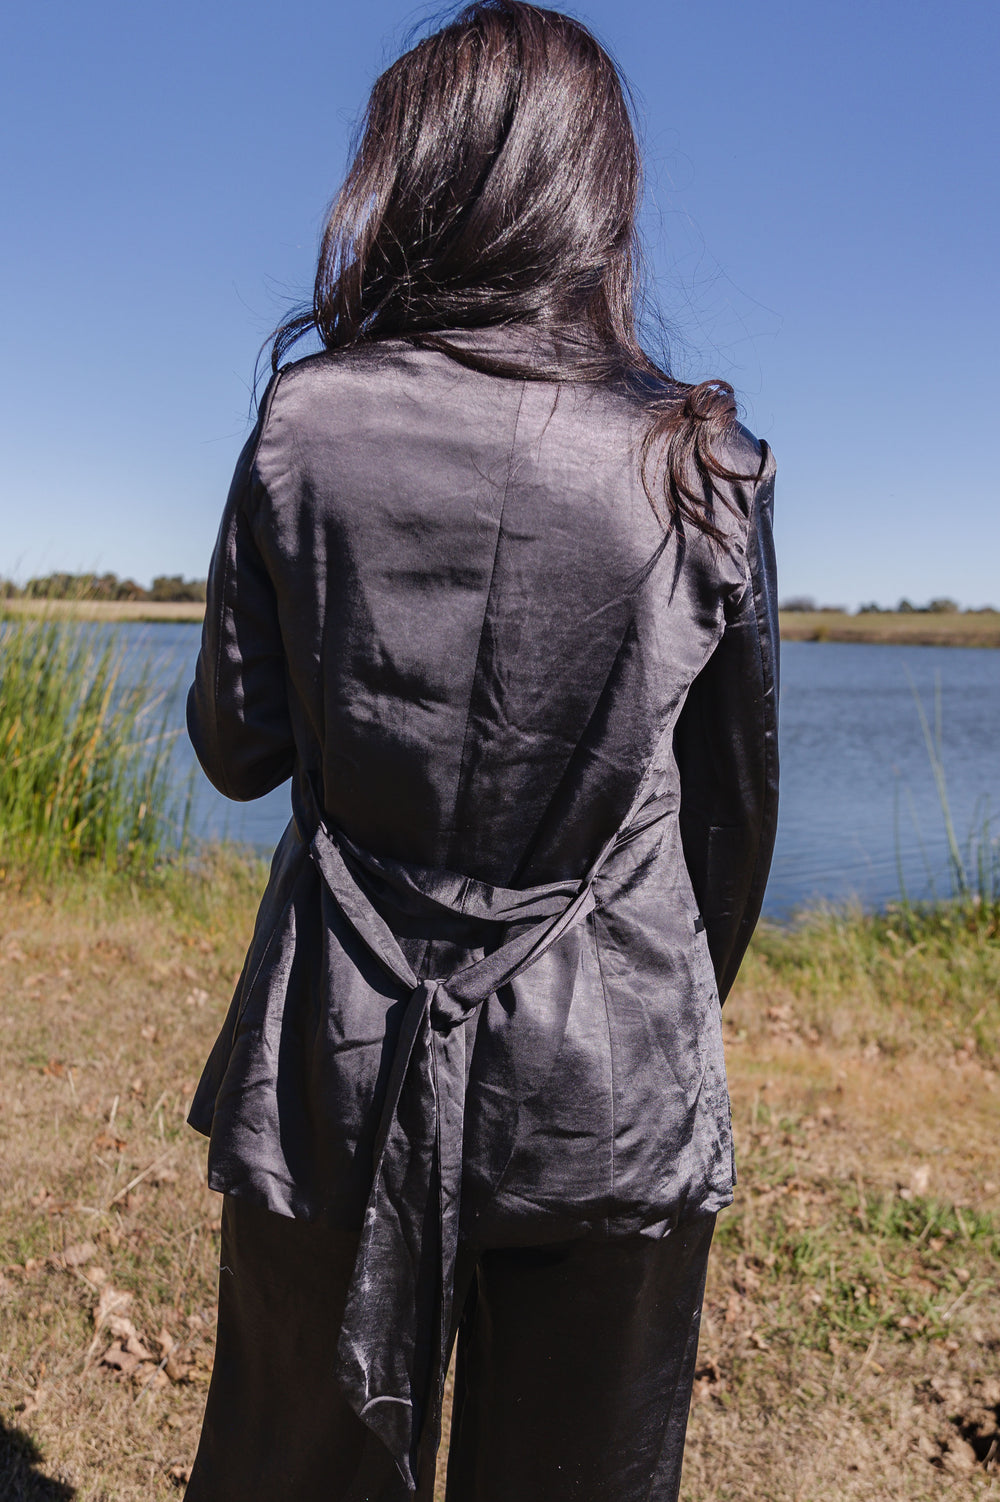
{"type": "Point", "coordinates": [497, 594]}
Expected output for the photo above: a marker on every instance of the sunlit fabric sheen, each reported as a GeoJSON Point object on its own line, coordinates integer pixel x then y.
{"type": "Point", "coordinates": [533, 748]}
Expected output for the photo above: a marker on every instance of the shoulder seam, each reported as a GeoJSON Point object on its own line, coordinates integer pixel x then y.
{"type": "Point", "coordinates": [764, 473]}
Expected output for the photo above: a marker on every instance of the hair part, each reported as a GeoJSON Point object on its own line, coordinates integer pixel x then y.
{"type": "Point", "coordinates": [497, 180]}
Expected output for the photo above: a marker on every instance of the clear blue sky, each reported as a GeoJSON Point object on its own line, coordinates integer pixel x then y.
{"type": "Point", "coordinates": [823, 207]}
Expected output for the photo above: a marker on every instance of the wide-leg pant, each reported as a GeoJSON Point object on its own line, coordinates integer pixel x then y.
{"type": "Point", "coordinates": [573, 1375]}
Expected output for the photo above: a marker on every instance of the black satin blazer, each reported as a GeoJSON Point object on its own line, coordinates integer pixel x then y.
{"type": "Point", "coordinates": [533, 747]}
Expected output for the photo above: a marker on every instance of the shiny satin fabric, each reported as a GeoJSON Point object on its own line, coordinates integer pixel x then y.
{"type": "Point", "coordinates": [403, 1280]}
{"type": "Point", "coordinates": [441, 602]}
{"type": "Point", "coordinates": [573, 1371]}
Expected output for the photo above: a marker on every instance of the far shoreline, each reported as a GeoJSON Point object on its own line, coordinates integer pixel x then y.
{"type": "Point", "coordinates": [897, 628]}
{"type": "Point", "coordinates": [146, 612]}
{"type": "Point", "coordinates": [971, 628]}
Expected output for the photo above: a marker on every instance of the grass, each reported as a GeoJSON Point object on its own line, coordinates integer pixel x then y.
{"type": "Point", "coordinates": [851, 1335]}
{"type": "Point", "coordinates": [84, 756]}
{"type": "Point", "coordinates": [109, 992]}
{"type": "Point", "coordinates": [968, 628]}
{"type": "Point", "coordinates": [906, 981]}
{"type": "Point", "coordinates": [851, 1330]}
{"type": "Point", "coordinates": [104, 610]}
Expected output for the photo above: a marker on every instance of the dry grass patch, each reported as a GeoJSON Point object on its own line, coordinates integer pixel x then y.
{"type": "Point", "coordinates": [968, 628]}
{"type": "Point", "coordinates": [851, 1343]}
{"type": "Point", "coordinates": [851, 1334]}
{"type": "Point", "coordinates": [148, 611]}
{"type": "Point", "coordinates": [108, 1004]}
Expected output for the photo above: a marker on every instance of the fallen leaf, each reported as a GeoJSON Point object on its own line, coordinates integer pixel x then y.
{"type": "Point", "coordinates": [747, 1279]}
{"type": "Point", "coordinates": [79, 1253]}
{"type": "Point", "coordinates": [959, 1454]}
{"type": "Point", "coordinates": [120, 1360]}
{"type": "Point", "coordinates": [109, 1139]}
{"type": "Point", "coordinates": [112, 1301]}
{"type": "Point", "coordinates": [176, 1369]}
{"type": "Point", "coordinates": [708, 1381]}
{"type": "Point", "coordinates": [96, 1275]}
{"type": "Point", "coordinates": [920, 1178]}
{"type": "Point", "coordinates": [123, 1330]}
{"type": "Point", "coordinates": [32, 1404]}
{"type": "Point", "coordinates": [734, 1309]}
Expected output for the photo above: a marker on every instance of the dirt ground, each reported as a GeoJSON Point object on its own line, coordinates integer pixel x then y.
{"type": "Point", "coordinates": [851, 1329]}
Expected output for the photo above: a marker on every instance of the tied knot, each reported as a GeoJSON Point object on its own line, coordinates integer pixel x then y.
{"type": "Point", "coordinates": [445, 1010]}
{"type": "Point", "coordinates": [392, 1354]}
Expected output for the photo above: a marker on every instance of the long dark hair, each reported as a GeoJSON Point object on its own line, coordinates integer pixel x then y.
{"type": "Point", "coordinates": [496, 181]}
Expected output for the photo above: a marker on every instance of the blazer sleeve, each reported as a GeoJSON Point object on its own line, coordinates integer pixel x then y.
{"type": "Point", "coordinates": [726, 745]}
{"type": "Point", "coordinates": [237, 707]}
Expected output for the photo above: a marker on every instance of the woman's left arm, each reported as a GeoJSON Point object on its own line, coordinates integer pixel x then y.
{"type": "Point", "coordinates": [726, 745]}
{"type": "Point", "coordinates": [237, 708]}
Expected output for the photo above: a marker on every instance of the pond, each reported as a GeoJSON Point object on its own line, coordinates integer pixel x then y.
{"type": "Point", "coordinates": [859, 805]}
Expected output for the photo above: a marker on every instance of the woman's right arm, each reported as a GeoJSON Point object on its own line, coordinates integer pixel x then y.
{"type": "Point", "coordinates": [237, 708]}
{"type": "Point", "coordinates": [726, 745]}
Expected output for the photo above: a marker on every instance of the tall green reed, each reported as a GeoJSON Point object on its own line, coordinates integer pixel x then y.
{"type": "Point", "coordinates": [85, 773]}
{"type": "Point", "coordinates": [974, 867]}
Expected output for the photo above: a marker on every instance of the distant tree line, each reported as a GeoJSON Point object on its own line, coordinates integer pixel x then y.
{"type": "Point", "coordinates": [940, 606]}
{"type": "Point", "coordinates": [168, 588]}
{"type": "Point", "coordinates": [174, 589]}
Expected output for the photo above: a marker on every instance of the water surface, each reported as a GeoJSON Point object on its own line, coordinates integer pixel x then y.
{"type": "Point", "coordinates": [858, 802]}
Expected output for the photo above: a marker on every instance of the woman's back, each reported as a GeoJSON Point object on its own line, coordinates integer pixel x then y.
{"type": "Point", "coordinates": [486, 630]}
{"type": "Point", "coordinates": [442, 602]}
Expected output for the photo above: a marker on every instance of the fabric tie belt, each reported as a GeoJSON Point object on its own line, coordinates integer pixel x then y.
{"type": "Point", "coordinates": [392, 1352]}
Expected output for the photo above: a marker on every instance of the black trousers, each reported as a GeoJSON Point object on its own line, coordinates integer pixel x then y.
{"type": "Point", "coordinates": [573, 1375]}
